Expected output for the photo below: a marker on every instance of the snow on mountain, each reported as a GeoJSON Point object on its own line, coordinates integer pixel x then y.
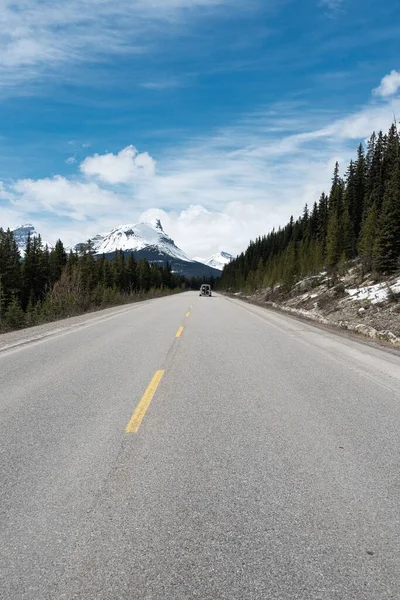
{"type": "Point", "coordinates": [146, 240]}
{"type": "Point", "coordinates": [21, 234]}
{"type": "Point", "coordinates": [137, 237]}
{"type": "Point", "coordinates": [216, 261]}
{"type": "Point", "coordinates": [149, 241]}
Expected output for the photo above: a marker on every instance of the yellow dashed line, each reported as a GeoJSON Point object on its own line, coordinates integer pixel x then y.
{"type": "Point", "coordinates": [144, 404]}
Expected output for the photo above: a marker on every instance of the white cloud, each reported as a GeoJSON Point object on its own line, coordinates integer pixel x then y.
{"type": "Point", "coordinates": [389, 85]}
{"type": "Point", "coordinates": [72, 199]}
{"type": "Point", "coordinates": [126, 166]}
{"type": "Point", "coordinates": [202, 231]}
{"type": "Point", "coordinates": [71, 160]}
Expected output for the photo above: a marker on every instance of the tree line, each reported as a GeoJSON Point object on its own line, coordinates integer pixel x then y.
{"type": "Point", "coordinates": [48, 284]}
{"type": "Point", "coordinates": [358, 219]}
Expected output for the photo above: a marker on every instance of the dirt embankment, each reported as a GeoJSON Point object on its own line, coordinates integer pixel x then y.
{"type": "Point", "coordinates": [364, 306]}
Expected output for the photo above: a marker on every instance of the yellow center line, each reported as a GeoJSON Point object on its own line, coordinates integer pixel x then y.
{"type": "Point", "coordinates": [179, 332]}
{"type": "Point", "coordinates": [144, 404]}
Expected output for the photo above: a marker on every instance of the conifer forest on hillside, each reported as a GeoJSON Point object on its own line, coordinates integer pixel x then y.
{"type": "Point", "coordinates": [359, 219]}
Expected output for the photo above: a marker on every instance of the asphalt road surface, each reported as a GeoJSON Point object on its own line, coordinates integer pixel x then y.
{"type": "Point", "coordinates": [192, 447]}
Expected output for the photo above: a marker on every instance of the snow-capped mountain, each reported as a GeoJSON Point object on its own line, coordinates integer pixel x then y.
{"type": "Point", "coordinates": [21, 235]}
{"type": "Point", "coordinates": [145, 240]}
{"type": "Point", "coordinates": [136, 237]}
{"type": "Point", "coordinates": [217, 261]}
{"type": "Point", "coordinates": [149, 241]}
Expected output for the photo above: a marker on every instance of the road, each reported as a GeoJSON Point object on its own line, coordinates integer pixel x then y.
{"type": "Point", "coordinates": [192, 447]}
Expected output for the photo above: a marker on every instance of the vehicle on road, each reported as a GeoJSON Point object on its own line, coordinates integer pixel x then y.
{"type": "Point", "coordinates": [205, 290]}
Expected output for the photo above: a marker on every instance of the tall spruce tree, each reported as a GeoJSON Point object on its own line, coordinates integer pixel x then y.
{"type": "Point", "coordinates": [367, 239]}
{"type": "Point", "coordinates": [356, 210]}
{"type": "Point", "coordinates": [132, 273]}
{"type": "Point", "coordinates": [375, 176]}
{"type": "Point", "coordinates": [387, 247]}
{"type": "Point", "coordinates": [35, 272]}
{"type": "Point", "coordinates": [336, 194]}
{"type": "Point", "coordinates": [10, 268]}
{"type": "Point", "coordinates": [58, 261]}
{"type": "Point", "coordinates": [348, 238]}
{"type": "Point", "coordinates": [334, 241]}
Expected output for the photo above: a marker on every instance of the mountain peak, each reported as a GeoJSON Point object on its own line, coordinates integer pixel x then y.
{"type": "Point", "coordinates": [21, 234]}
{"type": "Point", "coordinates": [156, 223]}
{"type": "Point", "coordinates": [138, 237]}
{"type": "Point", "coordinates": [26, 226]}
{"type": "Point", "coordinates": [217, 261]}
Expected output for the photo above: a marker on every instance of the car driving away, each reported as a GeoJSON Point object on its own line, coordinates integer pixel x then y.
{"type": "Point", "coordinates": [205, 290]}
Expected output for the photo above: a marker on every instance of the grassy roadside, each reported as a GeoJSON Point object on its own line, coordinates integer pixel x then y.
{"type": "Point", "coordinates": [52, 312]}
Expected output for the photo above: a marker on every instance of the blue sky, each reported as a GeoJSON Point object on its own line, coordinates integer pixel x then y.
{"type": "Point", "coordinates": [222, 117]}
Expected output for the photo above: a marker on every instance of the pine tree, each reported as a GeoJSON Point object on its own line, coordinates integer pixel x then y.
{"type": "Point", "coordinates": [367, 239]}
{"type": "Point", "coordinates": [390, 154]}
{"type": "Point", "coordinates": [360, 181]}
{"type": "Point", "coordinates": [336, 194]}
{"type": "Point", "coordinates": [289, 266]}
{"type": "Point", "coordinates": [348, 236]}
{"type": "Point", "coordinates": [323, 220]}
{"type": "Point", "coordinates": [87, 266]}
{"type": "Point", "coordinates": [10, 267]}
{"type": "Point", "coordinates": [313, 221]}
{"type": "Point", "coordinates": [28, 274]}
{"type": "Point", "coordinates": [375, 180]}
{"type": "Point", "coordinates": [304, 228]}
{"type": "Point", "coordinates": [318, 257]}
{"type": "Point", "coordinates": [14, 316]}
{"type": "Point", "coordinates": [32, 314]}
{"type": "Point", "coordinates": [132, 274]}
{"type": "Point", "coordinates": [167, 276]}
{"type": "Point", "coordinates": [119, 271]}
{"type": "Point", "coordinates": [45, 272]}
{"type": "Point", "coordinates": [58, 261]}
{"type": "Point", "coordinates": [35, 272]}
{"type": "Point", "coordinates": [155, 277]}
{"type": "Point", "coordinates": [387, 248]}
{"type": "Point", "coordinates": [350, 196]}
{"type": "Point", "coordinates": [334, 244]}
{"type": "Point", "coordinates": [144, 275]}
{"type": "Point", "coordinates": [105, 272]}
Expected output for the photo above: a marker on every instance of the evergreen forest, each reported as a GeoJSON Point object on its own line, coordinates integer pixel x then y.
{"type": "Point", "coordinates": [46, 285]}
{"type": "Point", "coordinates": [359, 220]}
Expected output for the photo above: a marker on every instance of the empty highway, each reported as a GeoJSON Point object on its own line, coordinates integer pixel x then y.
{"type": "Point", "coordinates": [197, 448]}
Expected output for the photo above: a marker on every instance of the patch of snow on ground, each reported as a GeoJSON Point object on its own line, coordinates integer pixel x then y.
{"type": "Point", "coordinates": [374, 293]}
